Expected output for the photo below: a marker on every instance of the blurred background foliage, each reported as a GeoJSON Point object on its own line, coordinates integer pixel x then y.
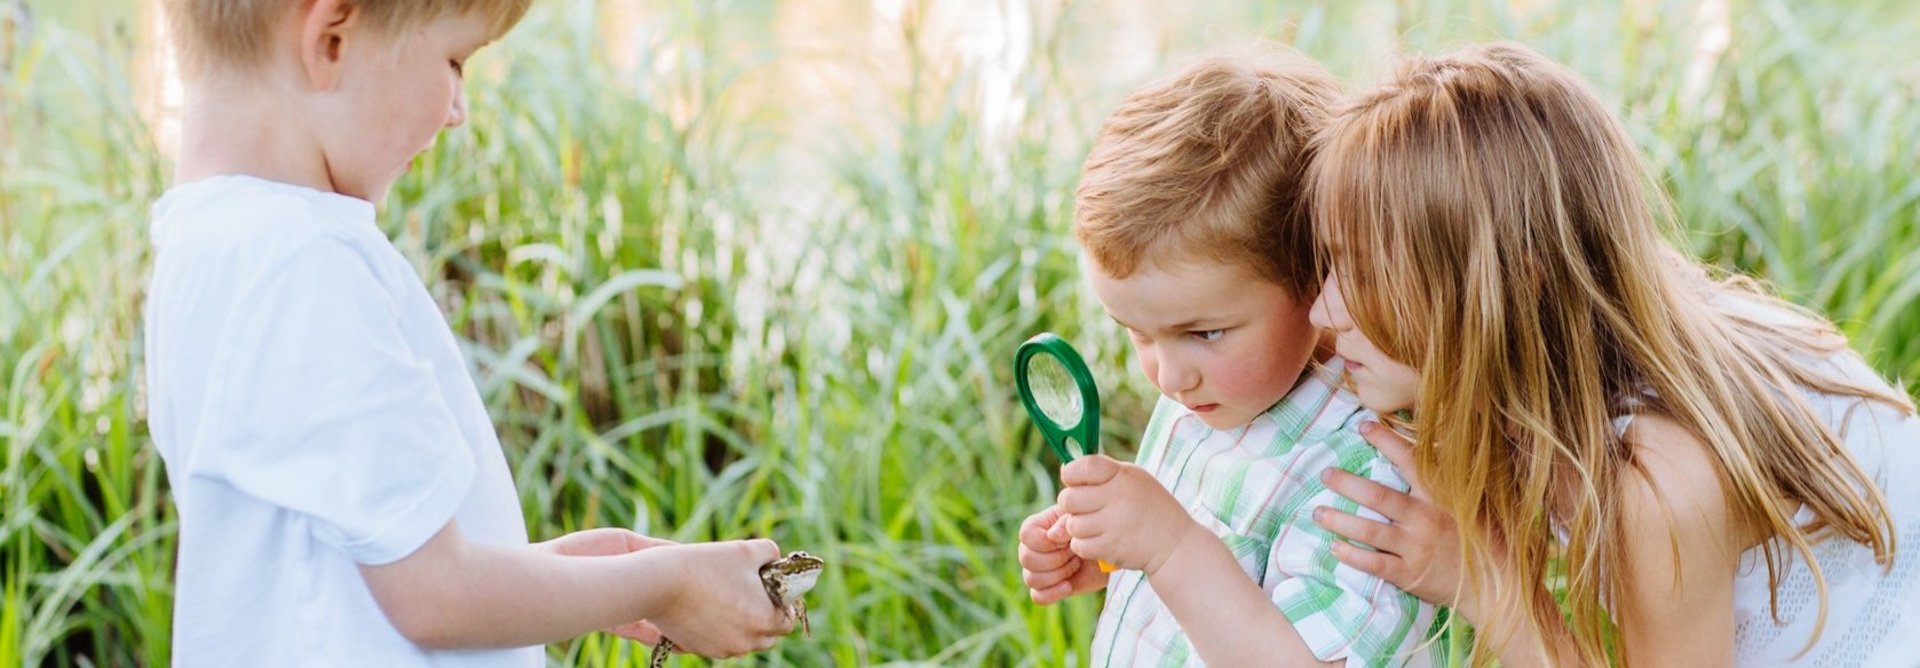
{"type": "Point", "coordinates": [758, 267]}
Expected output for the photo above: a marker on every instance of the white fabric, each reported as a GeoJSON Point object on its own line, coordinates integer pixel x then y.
{"type": "Point", "coordinates": [1873, 615]}
{"type": "Point", "coordinates": [314, 413]}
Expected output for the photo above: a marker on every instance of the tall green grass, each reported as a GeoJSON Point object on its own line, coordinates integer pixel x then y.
{"type": "Point", "coordinates": [694, 313]}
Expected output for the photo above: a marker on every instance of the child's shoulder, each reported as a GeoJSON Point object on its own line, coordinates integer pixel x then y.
{"type": "Point", "coordinates": [252, 215]}
{"type": "Point", "coordinates": [225, 224]}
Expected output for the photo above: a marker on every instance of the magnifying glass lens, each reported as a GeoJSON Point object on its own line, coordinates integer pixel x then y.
{"type": "Point", "coordinates": [1054, 391]}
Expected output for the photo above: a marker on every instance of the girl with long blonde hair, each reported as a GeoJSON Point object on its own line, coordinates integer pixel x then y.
{"type": "Point", "coordinates": [1709, 474]}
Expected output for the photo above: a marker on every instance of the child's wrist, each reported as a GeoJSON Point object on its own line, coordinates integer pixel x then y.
{"type": "Point", "coordinates": [1184, 540]}
{"type": "Point", "coordinates": [666, 571]}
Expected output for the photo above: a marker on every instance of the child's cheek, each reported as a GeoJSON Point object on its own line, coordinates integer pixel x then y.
{"type": "Point", "coordinates": [1249, 375]}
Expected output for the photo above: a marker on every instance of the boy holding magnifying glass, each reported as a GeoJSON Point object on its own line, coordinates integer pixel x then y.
{"type": "Point", "coordinates": [1198, 243]}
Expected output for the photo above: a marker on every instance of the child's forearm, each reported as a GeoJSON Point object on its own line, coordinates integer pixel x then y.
{"type": "Point", "coordinates": [452, 593]}
{"type": "Point", "coordinates": [1226, 616]}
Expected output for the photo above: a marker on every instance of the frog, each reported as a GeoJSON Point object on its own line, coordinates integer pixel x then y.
{"type": "Point", "coordinates": [787, 581]}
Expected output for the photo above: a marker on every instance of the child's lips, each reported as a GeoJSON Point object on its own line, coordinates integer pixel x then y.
{"type": "Point", "coordinates": [1203, 408]}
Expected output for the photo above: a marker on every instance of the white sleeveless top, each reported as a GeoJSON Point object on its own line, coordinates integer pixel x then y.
{"type": "Point", "coordinates": [1873, 614]}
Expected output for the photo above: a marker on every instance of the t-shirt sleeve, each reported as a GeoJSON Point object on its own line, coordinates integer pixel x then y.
{"type": "Point", "coordinates": [319, 406]}
{"type": "Point", "coordinates": [1341, 612]}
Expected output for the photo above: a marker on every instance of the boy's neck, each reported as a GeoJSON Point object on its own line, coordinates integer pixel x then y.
{"type": "Point", "coordinates": [249, 126]}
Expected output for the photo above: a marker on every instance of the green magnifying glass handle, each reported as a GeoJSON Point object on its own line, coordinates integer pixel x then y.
{"type": "Point", "coordinates": [1059, 394]}
{"type": "Point", "coordinates": [1062, 414]}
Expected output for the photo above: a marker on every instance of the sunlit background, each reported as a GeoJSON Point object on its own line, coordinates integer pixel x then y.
{"type": "Point", "coordinates": [759, 268]}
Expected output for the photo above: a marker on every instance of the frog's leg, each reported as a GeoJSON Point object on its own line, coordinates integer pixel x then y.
{"type": "Point", "coordinates": [660, 652]}
{"type": "Point", "coordinates": [799, 610]}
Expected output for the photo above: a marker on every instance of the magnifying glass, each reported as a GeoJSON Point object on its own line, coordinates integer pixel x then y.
{"type": "Point", "coordinates": [1060, 396]}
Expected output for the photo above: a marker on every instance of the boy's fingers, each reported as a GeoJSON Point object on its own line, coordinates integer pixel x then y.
{"type": "Point", "coordinates": [764, 548]}
{"type": "Point", "coordinates": [1036, 531]}
{"type": "Point", "coordinates": [1058, 535]}
{"type": "Point", "coordinates": [1078, 527]}
{"type": "Point", "coordinates": [1043, 519]}
{"type": "Point", "coordinates": [1079, 501]}
{"type": "Point", "coordinates": [1089, 470]}
{"type": "Point", "coordinates": [1046, 578]}
{"type": "Point", "coordinates": [773, 625]}
{"type": "Point", "coordinates": [1043, 560]}
{"type": "Point", "coordinates": [1088, 548]}
{"type": "Point", "coordinates": [1051, 595]}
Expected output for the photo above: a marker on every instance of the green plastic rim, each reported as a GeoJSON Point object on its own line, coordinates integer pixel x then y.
{"type": "Point", "coordinates": [1086, 431]}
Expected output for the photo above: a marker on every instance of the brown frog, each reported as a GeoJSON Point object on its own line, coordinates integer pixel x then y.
{"type": "Point", "coordinates": [787, 581]}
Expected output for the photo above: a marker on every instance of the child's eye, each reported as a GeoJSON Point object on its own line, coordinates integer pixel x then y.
{"type": "Point", "coordinates": [1209, 335]}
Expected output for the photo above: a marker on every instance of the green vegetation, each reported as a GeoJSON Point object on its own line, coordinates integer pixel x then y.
{"type": "Point", "coordinates": [705, 308]}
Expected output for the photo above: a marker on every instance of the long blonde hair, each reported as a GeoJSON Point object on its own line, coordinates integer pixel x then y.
{"type": "Point", "coordinates": [1495, 229]}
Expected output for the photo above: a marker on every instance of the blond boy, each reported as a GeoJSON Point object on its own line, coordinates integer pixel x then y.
{"type": "Point", "coordinates": [343, 499]}
{"type": "Point", "coordinates": [1199, 245]}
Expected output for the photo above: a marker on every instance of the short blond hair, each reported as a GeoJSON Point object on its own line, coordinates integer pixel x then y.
{"type": "Point", "coordinates": [235, 34]}
{"type": "Point", "coordinates": [1209, 164]}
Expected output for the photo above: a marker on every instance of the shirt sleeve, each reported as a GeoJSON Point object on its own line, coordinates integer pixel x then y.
{"type": "Point", "coordinates": [318, 405]}
{"type": "Point", "coordinates": [1341, 612]}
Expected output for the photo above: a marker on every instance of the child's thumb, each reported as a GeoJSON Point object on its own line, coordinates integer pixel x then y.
{"type": "Point", "coordinates": [1058, 532]}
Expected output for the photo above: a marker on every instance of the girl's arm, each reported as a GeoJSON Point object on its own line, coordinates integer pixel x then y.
{"type": "Point", "coordinates": [1679, 592]}
{"type": "Point", "coordinates": [452, 593]}
{"type": "Point", "coordinates": [1683, 550]}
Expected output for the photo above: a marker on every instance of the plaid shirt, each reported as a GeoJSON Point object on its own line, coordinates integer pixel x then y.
{"type": "Point", "coordinates": [1255, 486]}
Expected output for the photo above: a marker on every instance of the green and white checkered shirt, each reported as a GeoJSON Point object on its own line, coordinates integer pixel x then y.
{"type": "Point", "coordinates": [1256, 487]}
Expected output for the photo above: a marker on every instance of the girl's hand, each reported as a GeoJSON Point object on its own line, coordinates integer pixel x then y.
{"type": "Point", "coordinates": [608, 541]}
{"type": "Point", "coordinates": [1051, 570]}
{"type": "Point", "coordinates": [1117, 512]}
{"type": "Point", "coordinates": [1420, 551]}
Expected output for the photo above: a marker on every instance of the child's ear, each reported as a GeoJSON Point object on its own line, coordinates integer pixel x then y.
{"type": "Point", "coordinates": [324, 28]}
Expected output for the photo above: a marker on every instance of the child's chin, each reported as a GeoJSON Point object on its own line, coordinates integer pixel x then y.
{"type": "Point", "coordinates": [1223, 420]}
{"type": "Point", "coordinates": [377, 194]}
{"type": "Point", "coordinates": [1374, 402]}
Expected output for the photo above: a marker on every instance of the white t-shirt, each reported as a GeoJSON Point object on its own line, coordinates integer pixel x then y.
{"type": "Point", "coordinates": [314, 413]}
{"type": "Point", "coordinates": [1873, 614]}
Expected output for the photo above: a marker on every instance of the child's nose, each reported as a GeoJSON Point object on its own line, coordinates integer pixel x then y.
{"type": "Point", "coordinates": [1328, 310]}
{"type": "Point", "coordinates": [1176, 376]}
{"type": "Point", "coordinates": [1317, 313]}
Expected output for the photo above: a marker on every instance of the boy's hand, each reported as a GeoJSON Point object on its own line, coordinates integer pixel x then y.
{"type": "Point", "coordinates": [1051, 570]}
{"type": "Point", "coordinates": [720, 608]}
{"type": "Point", "coordinates": [1118, 513]}
{"type": "Point", "coordinates": [608, 541]}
